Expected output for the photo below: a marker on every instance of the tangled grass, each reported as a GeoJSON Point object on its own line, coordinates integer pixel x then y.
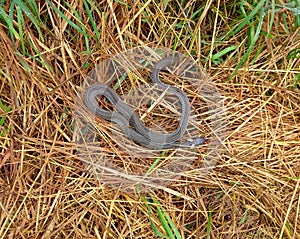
{"type": "Point", "coordinates": [250, 50]}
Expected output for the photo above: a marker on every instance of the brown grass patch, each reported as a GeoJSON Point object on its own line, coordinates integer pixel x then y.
{"type": "Point", "coordinates": [45, 190]}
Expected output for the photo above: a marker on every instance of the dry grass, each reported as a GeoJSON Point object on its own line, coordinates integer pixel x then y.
{"type": "Point", "coordinates": [45, 190]}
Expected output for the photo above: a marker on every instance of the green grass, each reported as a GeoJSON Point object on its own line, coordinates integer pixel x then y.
{"type": "Point", "coordinates": [5, 109]}
{"type": "Point", "coordinates": [19, 12]}
{"type": "Point", "coordinates": [252, 15]}
{"type": "Point", "coordinates": [208, 228]}
{"type": "Point", "coordinates": [254, 20]}
{"type": "Point", "coordinates": [169, 227]}
{"type": "Point", "coordinates": [217, 58]}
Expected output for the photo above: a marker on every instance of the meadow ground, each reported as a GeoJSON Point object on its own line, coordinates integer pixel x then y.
{"type": "Point", "coordinates": [250, 49]}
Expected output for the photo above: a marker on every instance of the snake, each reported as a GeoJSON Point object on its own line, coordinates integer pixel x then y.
{"type": "Point", "coordinates": [127, 119]}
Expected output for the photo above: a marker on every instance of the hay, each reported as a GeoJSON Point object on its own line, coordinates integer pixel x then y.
{"type": "Point", "coordinates": [47, 192]}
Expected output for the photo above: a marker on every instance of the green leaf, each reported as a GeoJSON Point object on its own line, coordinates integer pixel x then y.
{"type": "Point", "coordinates": [31, 16]}
{"type": "Point", "coordinates": [24, 63]}
{"type": "Point", "coordinates": [62, 15]}
{"type": "Point", "coordinates": [166, 222]}
{"type": "Point", "coordinates": [123, 3]}
{"type": "Point", "coordinates": [218, 55]}
{"type": "Point", "coordinates": [197, 14]}
{"type": "Point", "coordinates": [91, 18]}
{"type": "Point", "coordinates": [258, 7]}
{"type": "Point", "coordinates": [33, 6]}
{"type": "Point", "coordinates": [166, 3]}
{"type": "Point", "coordinates": [246, 21]}
{"type": "Point", "coordinates": [297, 81]}
{"type": "Point", "coordinates": [252, 44]}
{"type": "Point", "coordinates": [297, 15]}
{"type": "Point", "coordinates": [208, 228]}
{"type": "Point", "coordinates": [2, 120]}
{"type": "Point", "coordinates": [78, 18]}
{"type": "Point", "coordinates": [5, 131]}
{"type": "Point", "coordinates": [295, 53]}
{"type": "Point", "coordinates": [155, 163]}
{"type": "Point", "coordinates": [7, 20]}
{"type": "Point", "coordinates": [6, 110]}
{"type": "Point", "coordinates": [120, 80]}
{"type": "Point", "coordinates": [40, 59]}
{"type": "Point", "coordinates": [272, 16]}
{"type": "Point", "coordinates": [243, 219]}
{"type": "Point", "coordinates": [153, 227]}
{"type": "Point", "coordinates": [20, 27]}
{"type": "Point", "coordinates": [172, 225]}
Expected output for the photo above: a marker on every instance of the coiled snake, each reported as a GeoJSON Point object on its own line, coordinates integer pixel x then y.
{"type": "Point", "coordinates": [130, 123]}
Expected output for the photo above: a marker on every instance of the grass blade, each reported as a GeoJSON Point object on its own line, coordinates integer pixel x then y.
{"type": "Point", "coordinates": [63, 16]}
{"type": "Point", "coordinates": [94, 25]}
{"type": "Point", "coordinates": [31, 16]}
{"type": "Point", "coordinates": [172, 225]}
{"type": "Point", "coordinates": [32, 4]}
{"type": "Point", "coordinates": [40, 59]}
{"type": "Point", "coordinates": [272, 16]}
{"type": "Point", "coordinates": [246, 21]}
{"type": "Point", "coordinates": [164, 223]}
{"type": "Point", "coordinates": [216, 57]}
{"type": "Point", "coordinates": [8, 21]}
{"type": "Point", "coordinates": [297, 15]}
{"type": "Point", "coordinates": [297, 81]}
{"type": "Point", "coordinates": [153, 227]}
{"type": "Point", "coordinates": [167, 222]}
{"type": "Point", "coordinates": [258, 7]}
{"type": "Point", "coordinates": [208, 228]}
{"type": "Point", "coordinates": [6, 110]}
{"type": "Point", "coordinates": [257, 33]}
{"type": "Point", "coordinates": [78, 18]}
{"type": "Point", "coordinates": [155, 163]}
{"type": "Point", "coordinates": [20, 28]}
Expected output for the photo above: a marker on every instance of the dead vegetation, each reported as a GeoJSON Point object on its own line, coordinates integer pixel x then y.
{"type": "Point", "coordinates": [45, 189]}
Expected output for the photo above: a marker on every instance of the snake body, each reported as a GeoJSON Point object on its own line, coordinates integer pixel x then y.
{"type": "Point", "coordinates": [130, 123]}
